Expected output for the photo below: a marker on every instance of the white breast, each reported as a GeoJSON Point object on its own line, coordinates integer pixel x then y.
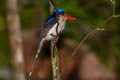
{"type": "Point", "coordinates": [62, 22]}
{"type": "Point", "coordinates": [52, 31]}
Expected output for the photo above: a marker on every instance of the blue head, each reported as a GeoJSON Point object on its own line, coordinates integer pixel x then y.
{"type": "Point", "coordinates": [59, 11]}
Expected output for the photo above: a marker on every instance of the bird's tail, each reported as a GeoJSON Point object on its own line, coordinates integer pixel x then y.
{"type": "Point", "coordinates": [36, 56]}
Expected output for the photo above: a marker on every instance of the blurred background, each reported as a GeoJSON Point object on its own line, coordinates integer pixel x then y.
{"type": "Point", "coordinates": [97, 59]}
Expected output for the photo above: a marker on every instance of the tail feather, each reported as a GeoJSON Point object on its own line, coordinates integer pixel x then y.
{"type": "Point", "coordinates": [36, 56]}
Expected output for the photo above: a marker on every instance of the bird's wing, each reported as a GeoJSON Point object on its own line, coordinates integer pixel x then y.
{"type": "Point", "coordinates": [47, 26]}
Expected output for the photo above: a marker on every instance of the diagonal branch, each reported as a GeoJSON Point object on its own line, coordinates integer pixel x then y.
{"type": "Point", "coordinates": [79, 45]}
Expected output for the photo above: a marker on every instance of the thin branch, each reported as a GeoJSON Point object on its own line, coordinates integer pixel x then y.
{"type": "Point", "coordinates": [114, 15]}
{"type": "Point", "coordinates": [79, 45]}
{"type": "Point", "coordinates": [52, 5]}
{"type": "Point", "coordinates": [54, 51]}
{"type": "Point", "coordinates": [55, 61]}
{"type": "Point", "coordinates": [114, 4]}
{"type": "Point", "coordinates": [107, 20]}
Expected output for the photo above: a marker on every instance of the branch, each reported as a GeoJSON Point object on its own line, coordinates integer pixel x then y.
{"type": "Point", "coordinates": [54, 51]}
{"type": "Point", "coordinates": [114, 15]}
{"type": "Point", "coordinates": [79, 45]}
{"type": "Point", "coordinates": [52, 5]}
{"type": "Point", "coordinates": [55, 61]}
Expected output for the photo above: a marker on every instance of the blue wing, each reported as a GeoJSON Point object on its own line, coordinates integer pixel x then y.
{"type": "Point", "coordinates": [48, 25]}
{"type": "Point", "coordinates": [50, 20]}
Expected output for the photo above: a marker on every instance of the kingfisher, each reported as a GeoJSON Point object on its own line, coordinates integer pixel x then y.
{"type": "Point", "coordinates": [53, 26]}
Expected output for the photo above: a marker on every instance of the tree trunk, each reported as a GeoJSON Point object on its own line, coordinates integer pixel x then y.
{"type": "Point", "coordinates": [15, 40]}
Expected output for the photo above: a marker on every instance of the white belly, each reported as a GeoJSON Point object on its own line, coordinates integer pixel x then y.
{"type": "Point", "coordinates": [52, 31]}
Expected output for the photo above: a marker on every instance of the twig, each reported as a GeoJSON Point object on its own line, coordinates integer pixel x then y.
{"type": "Point", "coordinates": [55, 61]}
{"type": "Point", "coordinates": [114, 15]}
{"type": "Point", "coordinates": [79, 45]}
{"type": "Point", "coordinates": [107, 20]}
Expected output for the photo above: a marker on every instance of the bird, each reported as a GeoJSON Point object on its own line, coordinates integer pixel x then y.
{"type": "Point", "coordinates": [53, 26]}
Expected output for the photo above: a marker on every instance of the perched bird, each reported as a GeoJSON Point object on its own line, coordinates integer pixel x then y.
{"type": "Point", "coordinates": [53, 26]}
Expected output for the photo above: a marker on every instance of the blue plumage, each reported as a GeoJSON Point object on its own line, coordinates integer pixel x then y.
{"type": "Point", "coordinates": [51, 19]}
{"type": "Point", "coordinates": [50, 29]}
{"type": "Point", "coordinates": [40, 44]}
{"type": "Point", "coordinates": [59, 10]}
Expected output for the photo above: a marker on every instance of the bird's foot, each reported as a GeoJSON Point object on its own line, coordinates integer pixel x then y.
{"type": "Point", "coordinates": [55, 38]}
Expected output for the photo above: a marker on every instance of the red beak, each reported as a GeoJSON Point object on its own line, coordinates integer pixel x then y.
{"type": "Point", "coordinates": [69, 17]}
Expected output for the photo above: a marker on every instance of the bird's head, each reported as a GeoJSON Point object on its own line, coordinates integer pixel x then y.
{"type": "Point", "coordinates": [63, 13]}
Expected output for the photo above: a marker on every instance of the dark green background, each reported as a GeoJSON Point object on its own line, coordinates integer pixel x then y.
{"type": "Point", "coordinates": [90, 14]}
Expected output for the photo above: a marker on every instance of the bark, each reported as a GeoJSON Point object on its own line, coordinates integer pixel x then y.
{"type": "Point", "coordinates": [54, 51]}
{"type": "Point", "coordinates": [15, 35]}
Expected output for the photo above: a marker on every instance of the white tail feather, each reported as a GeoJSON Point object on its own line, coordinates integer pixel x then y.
{"type": "Point", "coordinates": [36, 56]}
